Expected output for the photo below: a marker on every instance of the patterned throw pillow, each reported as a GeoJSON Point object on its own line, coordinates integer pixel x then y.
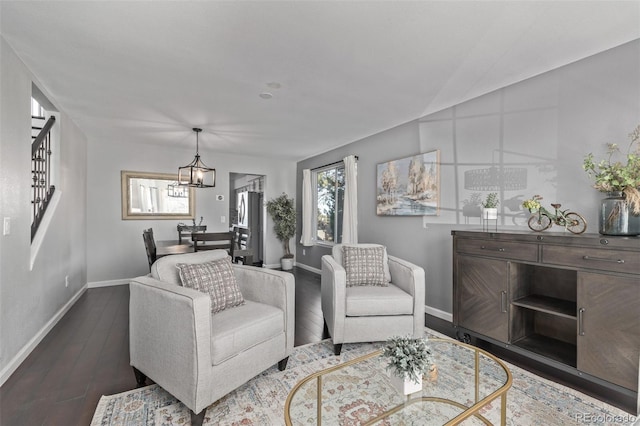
{"type": "Point", "coordinates": [364, 266]}
{"type": "Point", "coordinates": [215, 278]}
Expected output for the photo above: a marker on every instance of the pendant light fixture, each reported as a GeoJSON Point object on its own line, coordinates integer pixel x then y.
{"type": "Point", "coordinates": [196, 174]}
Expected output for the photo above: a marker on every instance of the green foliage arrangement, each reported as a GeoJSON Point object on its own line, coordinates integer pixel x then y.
{"type": "Point", "coordinates": [614, 176]}
{"type": "Point", "coordinates": [491, 202]}
{"type": "Point", "coordinates": [283, 212]}
{"type": "Point", "coordinates": [408, 357]}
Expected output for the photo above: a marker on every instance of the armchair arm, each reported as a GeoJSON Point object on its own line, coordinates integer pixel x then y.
{"type": "Point", "coordinates": [333, 288]}
{"type": "Point", "coordinates": [275, 288]}
{"type": "Point", "coordinates": [169, 332]}
{"type": "Point", "coordinates": [410, 278]}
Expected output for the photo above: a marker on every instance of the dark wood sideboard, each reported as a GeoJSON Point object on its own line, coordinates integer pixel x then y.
{"type": "Point", "coordinates": [569, 301]}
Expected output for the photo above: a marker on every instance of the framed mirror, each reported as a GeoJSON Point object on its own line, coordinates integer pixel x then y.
{"type": "Point", "coordinates": [155, 196]}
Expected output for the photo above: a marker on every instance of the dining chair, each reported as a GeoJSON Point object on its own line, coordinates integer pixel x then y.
{"type": "Point", "coordinates": [149, 245]}
{"type": "Point", "coordinates": [241, 251]}
{"type": "Point", "coordinates": [212, 241]}
{"type": "Point", "coordinates": [185, 231]}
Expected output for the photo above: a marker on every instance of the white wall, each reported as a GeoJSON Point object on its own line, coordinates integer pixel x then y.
{"type": "Point", "coordinates": [115, 247]}
{"type": "Point", "coordinates": [546, 124]}
{"type": "Point", "coordinates": [32, 299]}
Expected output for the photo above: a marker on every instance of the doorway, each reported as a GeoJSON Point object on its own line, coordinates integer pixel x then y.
{"type": "Point", "coordinates": [247, 210]}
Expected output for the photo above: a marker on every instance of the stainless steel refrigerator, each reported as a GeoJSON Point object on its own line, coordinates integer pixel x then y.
{"type": "Point", "coordinates": [250, 207]}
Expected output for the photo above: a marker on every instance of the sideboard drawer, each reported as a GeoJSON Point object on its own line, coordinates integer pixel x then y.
{"type": "Point", "coordinates": [592, 258]}
{"type": "Point", "coordinates": [500, 249]}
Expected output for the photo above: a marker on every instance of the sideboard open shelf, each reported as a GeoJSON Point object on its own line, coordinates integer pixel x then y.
{"type": "Point", "coordinates": [570, 301]}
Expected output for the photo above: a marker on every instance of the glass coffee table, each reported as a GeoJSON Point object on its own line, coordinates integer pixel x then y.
{"type": "Point", "coordinates": [465, 380]}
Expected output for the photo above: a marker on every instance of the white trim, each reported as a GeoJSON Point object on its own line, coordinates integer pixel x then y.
{"type": "Point", "coordinates": [13, 365]}
{"type": "Point", "coordinates": [272, 265]}
{"type": "Point", "coordinates": [108, 283]}
{"type": "Point", "coordinates": [438, 313]}
{"type": "Point", "coordinates": [309, 268]}
{"type": "Point", "coordinates": [43, 227]}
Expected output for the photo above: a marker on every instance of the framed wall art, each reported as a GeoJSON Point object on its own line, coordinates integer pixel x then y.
{"type": "Point", "coordinates": [409, 186]}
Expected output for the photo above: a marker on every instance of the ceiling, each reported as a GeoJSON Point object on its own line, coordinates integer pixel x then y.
{"type": "Point", "coordinates": [149, 71]}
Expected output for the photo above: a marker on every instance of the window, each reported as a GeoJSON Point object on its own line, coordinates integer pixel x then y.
{"type": "Point", "coordinates": [329, 203]}
{"type": "Point", "coordinates": [37, 111]}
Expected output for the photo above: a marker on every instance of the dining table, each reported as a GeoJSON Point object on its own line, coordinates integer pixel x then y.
{"type": "Point", "coordinates": [168, 247]}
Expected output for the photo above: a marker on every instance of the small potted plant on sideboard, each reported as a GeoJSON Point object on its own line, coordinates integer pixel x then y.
{"type": "Point", "coordinates": [490, 206]}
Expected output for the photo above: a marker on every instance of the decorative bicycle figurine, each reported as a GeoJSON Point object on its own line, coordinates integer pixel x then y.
{"type": "Point", "coordinates": [542, 218]}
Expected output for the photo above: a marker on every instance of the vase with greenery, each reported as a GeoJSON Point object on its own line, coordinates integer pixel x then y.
{"type": "Point", "coordinates": [408, 359]}
{"type": "Point", "coordinates": [283, 212]}
{"type": "Point", "coordinates": [619, 178]}
{"type": "Point", "coordinates": [490, 206]}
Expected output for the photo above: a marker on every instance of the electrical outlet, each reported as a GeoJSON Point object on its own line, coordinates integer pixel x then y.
{"type": "Point", "coordinates": [304, 252]}
{"type": "Point", "coordinates": [223, 219]}
{"type": "Point", "coordinates": [66, 281]}
{"type": "Point", "coordinates": [6, 226]}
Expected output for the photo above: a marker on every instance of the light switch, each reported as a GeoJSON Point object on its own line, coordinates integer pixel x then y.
{"type": "Point", "coordinates": [6, 226]}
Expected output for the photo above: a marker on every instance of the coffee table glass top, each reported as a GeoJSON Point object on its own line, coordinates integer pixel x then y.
{"type": "Point", "coordinates": [359, 392]}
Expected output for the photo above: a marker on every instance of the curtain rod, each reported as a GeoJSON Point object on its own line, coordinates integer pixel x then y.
{"type": "Point", "coordinates": [331, 164]}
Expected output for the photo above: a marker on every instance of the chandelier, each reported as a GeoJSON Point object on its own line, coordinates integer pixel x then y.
{"type": "Point", "coordinates": [196, 174]}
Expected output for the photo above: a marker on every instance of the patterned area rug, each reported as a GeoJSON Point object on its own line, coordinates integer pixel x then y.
{"type": "Point", "coordinates": [530, 401]}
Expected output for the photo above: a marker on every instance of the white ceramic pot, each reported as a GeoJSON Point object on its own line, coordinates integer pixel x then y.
{"type": "Point", "coordinates": [489, 213]}
{"type": "Point", "coordinates": [405, 384]}
{"type": "Point", "coordinates": [286, 263]}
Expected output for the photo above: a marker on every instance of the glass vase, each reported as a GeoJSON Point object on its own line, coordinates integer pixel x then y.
{"type": "Point", "coordinates": [615, 217]}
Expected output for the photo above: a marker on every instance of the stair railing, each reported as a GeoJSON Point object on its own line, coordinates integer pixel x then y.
{"type": "Point", "coordinates": [43, 188]}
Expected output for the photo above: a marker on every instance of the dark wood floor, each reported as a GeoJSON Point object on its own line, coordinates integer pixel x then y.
{"type": "Point", "coordinates": [86, 355]}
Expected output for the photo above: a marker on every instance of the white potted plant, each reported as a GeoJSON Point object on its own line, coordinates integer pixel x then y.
{"type": "Point", "coordinates": [490, 206]}
{"type": "Point", "coordinates": [283, 212]}
{"type": "Point", "coordinates": [409, 358]}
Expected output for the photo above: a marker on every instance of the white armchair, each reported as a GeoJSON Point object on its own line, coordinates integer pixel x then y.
{"type": "Point", "coordinates": [371, 313]}
{"type": "Point", "coordinates": [198, 356]}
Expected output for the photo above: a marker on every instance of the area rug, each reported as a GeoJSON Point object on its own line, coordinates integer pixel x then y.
{"type": "Point", "coordinates": [531, 400]}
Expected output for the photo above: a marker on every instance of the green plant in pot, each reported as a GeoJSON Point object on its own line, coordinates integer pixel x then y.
{"type": "Point", "coordinates": [620, 211]}
{"type": "Point", "coordinates": [283, 212]}
{"type": "Point", "coordinates": [408, 359]}
{"type": "Point", "coordinates": [490, 206]}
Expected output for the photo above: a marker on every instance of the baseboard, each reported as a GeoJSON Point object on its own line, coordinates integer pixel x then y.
{"type": "Point", "coordinates": [108, 283]}
{"type": "Point", "coordinates": [309, 268]}
{"type": "Point", "coordinates": [35, 340]}
{"type": "Point", "coordinates": [438, 313]}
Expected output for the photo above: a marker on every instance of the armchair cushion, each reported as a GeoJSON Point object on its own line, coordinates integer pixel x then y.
{"type": "Point", "coordinates": [374, 301]}
{"type": "Point", "coordinates": [216, 278]}
{"type": "Point", "coordinates": [364, 266]}
{"type": "Point", "coordinates": [236, 330]}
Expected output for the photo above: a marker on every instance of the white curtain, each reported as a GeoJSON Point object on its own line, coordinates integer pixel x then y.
{"type": "Point", "coordinates": [307, 209]}
{"type": "Point", "coordinates": [350, 212]}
